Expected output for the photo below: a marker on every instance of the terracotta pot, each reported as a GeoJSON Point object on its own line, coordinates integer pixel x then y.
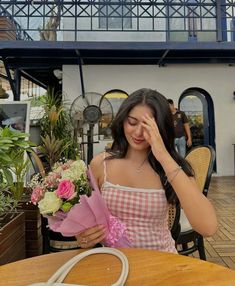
{"type": "Point", "coordinates": [12, 238]}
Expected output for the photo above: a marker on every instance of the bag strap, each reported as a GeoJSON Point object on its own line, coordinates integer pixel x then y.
{"type": "Point", "coordinates": [58, 277]}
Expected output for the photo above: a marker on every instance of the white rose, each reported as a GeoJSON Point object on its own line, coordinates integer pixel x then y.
{"type": "Point", "coordinates": [75, 171]}
{"type": "Point", "coordinates": [50, 203]}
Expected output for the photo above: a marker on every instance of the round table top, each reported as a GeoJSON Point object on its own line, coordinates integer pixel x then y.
{"type": "Point", "coordinates": [146, 267]}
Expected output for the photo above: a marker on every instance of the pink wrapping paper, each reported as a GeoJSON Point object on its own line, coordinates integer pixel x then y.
{"type": "Point", "coordinates": [91, 211]}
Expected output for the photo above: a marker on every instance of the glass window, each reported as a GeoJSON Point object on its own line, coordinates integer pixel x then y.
{"type": "Point", "coordinates": [115, 16]}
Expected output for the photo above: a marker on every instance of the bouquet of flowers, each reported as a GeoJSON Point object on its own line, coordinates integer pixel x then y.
{"type": "Point", "coordinates": [70, 199]}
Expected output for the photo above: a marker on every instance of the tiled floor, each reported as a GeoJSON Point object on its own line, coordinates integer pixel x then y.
{"type": "Point", "coordinates": [220, 248]}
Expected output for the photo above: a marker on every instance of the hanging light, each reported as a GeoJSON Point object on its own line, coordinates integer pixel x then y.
{"type": "Point", "coordinates": [58, 74]}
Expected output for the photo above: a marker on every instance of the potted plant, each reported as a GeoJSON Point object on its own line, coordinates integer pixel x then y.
{"type": "Point", "coordinates": [13, 167]}
{"type": "Point", "coordinates": [56, 130]}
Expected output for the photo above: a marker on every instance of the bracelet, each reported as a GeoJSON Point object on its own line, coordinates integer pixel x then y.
{"type": "Point", "coordinates": [172, 174]}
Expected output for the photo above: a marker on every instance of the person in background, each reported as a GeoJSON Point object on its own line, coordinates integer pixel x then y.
{"type": "Point", "coordinates": [142, 173]}
{"type": "Point", "coordinates": [182, 129]}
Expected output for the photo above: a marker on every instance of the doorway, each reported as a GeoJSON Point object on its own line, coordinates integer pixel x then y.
{"type": "Point", "coordinates": [199, 108]}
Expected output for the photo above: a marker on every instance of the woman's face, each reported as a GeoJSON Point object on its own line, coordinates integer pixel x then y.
{"type": "Point", "coordinates": [133, 129]}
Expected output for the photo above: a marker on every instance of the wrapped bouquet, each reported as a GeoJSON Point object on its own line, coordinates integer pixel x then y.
{"type": "Point", "coordinates": [70, 199]}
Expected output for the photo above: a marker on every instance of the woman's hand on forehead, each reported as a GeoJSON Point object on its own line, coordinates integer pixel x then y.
{"type": "Point", "coordinates": [152, 135]}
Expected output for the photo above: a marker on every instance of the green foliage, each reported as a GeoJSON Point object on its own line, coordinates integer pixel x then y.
{"type": "Point", "coordinates": [57, 130]}
{"type": "Point", "coordinates": [53, 148]}
{"type": "Point", "coordinates": [37, 101]}
{"type": "Point", "coordinates": [13, 145]}
{"type": "Point", "coordinates": [7, 203]}
{"type": "Point", "coordinates": [19, 166]}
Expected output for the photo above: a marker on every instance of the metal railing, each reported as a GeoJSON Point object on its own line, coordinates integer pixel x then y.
{"type": "Point", "coordinates": [16, 29]}
{"type": "Point", "coordinates": [159, 20]}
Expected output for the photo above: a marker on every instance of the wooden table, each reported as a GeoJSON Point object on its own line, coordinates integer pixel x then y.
{"type": "Point", "coordinates": [147, 267]}
{"type": "Point", "coordinates": [234, 158]}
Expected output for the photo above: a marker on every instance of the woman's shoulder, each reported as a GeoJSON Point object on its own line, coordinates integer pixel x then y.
{"type": "Point", "coordinates": [98, 159]}
{"type": "Point", "coordinates": [97, 163]}
{"type": "Point", "coordinates": [97, 167]}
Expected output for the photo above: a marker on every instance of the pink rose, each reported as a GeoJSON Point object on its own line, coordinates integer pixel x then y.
{"type": "Point", "coordinates": [52, 179]}
{"type": "Point", "coordinates": [66, 190]}
{"type": "Point", "coordinates": [37, 194]}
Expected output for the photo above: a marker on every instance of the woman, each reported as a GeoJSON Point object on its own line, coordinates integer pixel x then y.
{"type": "Point", "coordinates": [142, 174]}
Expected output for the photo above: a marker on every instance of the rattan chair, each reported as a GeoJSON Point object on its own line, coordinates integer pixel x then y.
{"type": "Point", "coordinates": [36, 163]}
{"type": "Point", "coordinates": [173, 221]}
{"type": "Point", "coordinates": [202, 159]}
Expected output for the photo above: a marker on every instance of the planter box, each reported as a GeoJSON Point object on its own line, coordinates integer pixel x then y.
{"type": "Point", "coordinates": [33, 231]}
{"type": "Point", "coordinates": [12, 238]}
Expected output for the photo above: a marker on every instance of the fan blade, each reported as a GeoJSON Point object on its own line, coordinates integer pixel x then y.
{"type": "Point", "coordinates": [93, 98]}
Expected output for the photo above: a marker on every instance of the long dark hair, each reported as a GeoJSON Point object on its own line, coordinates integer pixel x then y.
{"type": "Point", "coordinates": [162, 114]}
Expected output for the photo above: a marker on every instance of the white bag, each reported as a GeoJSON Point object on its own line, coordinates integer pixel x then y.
{"type": "Point", "coordinates": [59, 276]}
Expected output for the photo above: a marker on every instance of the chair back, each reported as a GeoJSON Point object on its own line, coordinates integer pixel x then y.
{"type": "Point", "coordinates": [202, 159]}
{"type": "Point", "coordinates": [36, 162]}
{"type": "Point", "coordinates": [173, 220]}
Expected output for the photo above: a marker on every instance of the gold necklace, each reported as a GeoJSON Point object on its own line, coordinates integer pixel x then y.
{"type": "Point", "coordinates": [140, 168]}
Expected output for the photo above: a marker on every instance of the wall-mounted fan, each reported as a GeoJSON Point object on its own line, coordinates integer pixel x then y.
{"type": "Point", "coordinates": [89, 110]}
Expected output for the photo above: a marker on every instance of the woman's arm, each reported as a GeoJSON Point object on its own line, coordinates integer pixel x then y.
{"type": "Point", "coordinates": [197, 207]}
{"type": "Point", "coordinates": [188, 134]}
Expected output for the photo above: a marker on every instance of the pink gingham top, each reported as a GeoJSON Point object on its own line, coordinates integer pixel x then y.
{"type": "Point", "coordinates": [143, 211]}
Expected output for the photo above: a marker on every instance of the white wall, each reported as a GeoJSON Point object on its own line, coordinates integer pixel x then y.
{"type": "Point", "coordinates": [171, 81]}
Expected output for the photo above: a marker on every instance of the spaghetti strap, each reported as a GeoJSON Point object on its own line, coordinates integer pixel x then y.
{"type": "Point", "coordinates": [105, 169]}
